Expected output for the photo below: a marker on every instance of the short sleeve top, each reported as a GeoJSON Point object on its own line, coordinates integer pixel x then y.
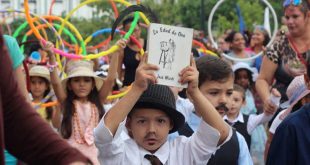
{"type": "Point", "coordinates": [14, 51]}
{"type": "Point", "coordinates": [289, 65]}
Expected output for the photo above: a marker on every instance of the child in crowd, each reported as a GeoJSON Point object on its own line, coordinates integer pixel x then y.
{"type": "Point", "coordinates": [39, 89]}
{"type": "Point", "coordinates": [81, 95]}
{"type": "Point", "coordinates": [216, 81]}
{"type": "Point", "coordinates": [151, 115]}
{"type": "Point", "coordinates": [245, 124]}
{"type": "Point", "coordinates": [216, 84]}
{"type": "Point", "coordinates": [245, 77]}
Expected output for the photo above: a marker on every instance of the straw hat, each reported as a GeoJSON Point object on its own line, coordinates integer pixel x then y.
{"type": "Point", "coordinates": [40, 71]}
{"type": "Point", "coordinates": [81, 68]}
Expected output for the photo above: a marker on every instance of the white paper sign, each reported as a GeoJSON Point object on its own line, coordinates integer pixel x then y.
{"type": "Point", "coordinates": [169, 47]}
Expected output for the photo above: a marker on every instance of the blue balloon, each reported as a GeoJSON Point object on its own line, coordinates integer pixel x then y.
{"type": "Point", "coordinates": [35, 56]}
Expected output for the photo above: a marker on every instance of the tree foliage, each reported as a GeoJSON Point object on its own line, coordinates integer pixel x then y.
{"type": "Point", "coordinates": [188, 13]}
{"type": "Point", "coordinates": [184, 12]}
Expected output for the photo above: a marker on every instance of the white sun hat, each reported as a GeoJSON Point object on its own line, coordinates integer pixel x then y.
{"type": "Point", "coordinates": [242, 65]}
{"type": "Point", "coordinates": [81, 68]}
{"type": "Point", "coordinates": [40, 71]}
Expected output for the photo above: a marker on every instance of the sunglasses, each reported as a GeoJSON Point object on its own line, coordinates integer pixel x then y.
{"type": "Point", "coordinates": [292, 2]}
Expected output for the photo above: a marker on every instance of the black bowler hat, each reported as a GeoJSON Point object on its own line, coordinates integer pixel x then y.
{"type": "Point", "coordinates": [161, 97]}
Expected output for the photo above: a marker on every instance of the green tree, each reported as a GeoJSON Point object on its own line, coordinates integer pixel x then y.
{"type": "Point", "coordinates": [173, 12]}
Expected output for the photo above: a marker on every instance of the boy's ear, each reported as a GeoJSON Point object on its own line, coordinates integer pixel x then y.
{"type": "Point", "coordinates": [128, 126]}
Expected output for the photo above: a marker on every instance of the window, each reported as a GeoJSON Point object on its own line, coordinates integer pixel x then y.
{"type": "Point", "coordinates": [5, 1]}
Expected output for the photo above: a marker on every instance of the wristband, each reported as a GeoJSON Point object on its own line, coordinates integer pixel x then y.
{"type": "Point", "coordinates": [51, 67]}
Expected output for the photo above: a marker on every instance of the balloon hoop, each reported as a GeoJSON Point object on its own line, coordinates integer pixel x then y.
{"type": "Point", "coordinates": [74, 56]}
{"type": "Point", "coordinates": [234, 58]}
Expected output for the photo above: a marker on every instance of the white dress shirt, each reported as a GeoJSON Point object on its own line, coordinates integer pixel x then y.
{"type": "Point", "coordinates": [185, 106]}
{"type": "Point", "coordinates": [253, 121]}
{"type": "Point", "coordinates": [195, 150]}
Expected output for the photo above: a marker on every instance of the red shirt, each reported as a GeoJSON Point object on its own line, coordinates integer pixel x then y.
{"type": "Point", "coordinates": [22, 131]}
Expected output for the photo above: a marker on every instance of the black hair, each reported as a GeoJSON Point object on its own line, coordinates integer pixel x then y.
{"type": "Point", "coordinates": [128, 20]}
{"type": "Point", "coordinates": [249, 76]}
{"type": "Point", "coordinates": [230, 37]}
{"type": "Point", "coordinates": [266, 39]}
{"type": "Point", "coordinates": [195, 53]}
{"type": "Point", "coordinates": [247, 35]}
{"type": "Point", "coordinates": [35, 46]}
{"type": "Point", "coordinates": [68, 109]}
{"type": "Point", "coordinates": [48, 110]}
{"type": "Point", "coordinates": [133, 8]}
{"type": "Point", "coordinates": [213, 69]}
{"type": "Point", "coordinates": [240, 89]}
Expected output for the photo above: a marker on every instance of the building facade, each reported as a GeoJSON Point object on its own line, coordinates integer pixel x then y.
{"type": "Point", "coordinates": [41, 7]}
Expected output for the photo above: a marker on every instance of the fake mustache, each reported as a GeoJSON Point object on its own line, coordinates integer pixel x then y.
{"type": "Point", "coordinates": [222, 107]}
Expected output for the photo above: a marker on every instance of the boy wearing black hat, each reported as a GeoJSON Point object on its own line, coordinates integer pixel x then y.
{"type": "Point", "coordinates": [151, 116]}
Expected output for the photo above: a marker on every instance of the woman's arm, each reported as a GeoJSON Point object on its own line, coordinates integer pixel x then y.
{"type": "Point", "coordinates": [264, 81]}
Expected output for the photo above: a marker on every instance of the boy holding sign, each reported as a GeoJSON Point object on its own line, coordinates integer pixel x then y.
{"type": "Point", "coordinates": [151, 116]}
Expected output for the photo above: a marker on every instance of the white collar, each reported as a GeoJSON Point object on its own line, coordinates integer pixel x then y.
{"type": "Point", "coordinates": [239, 118]}
{"type": "Point", "coordinates": [179, 99]}
{"type": "Point", "coordinates": [162, 153]}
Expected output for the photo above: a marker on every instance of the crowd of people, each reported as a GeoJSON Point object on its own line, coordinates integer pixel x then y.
{"type": "Point", "coordinates": [232, 112]}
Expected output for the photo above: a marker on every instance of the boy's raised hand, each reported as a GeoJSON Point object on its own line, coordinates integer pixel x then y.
{"type": "Point", "coordinates": [145, 74]}
{"type": "Point", "coordinates": [190, 75]}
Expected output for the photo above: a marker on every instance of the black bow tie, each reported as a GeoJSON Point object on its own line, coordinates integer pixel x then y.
{"type": "Point", "coordinates": [153, 159]}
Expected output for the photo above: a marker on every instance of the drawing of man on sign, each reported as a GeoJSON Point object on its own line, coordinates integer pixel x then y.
{"type": "Point", "coordinates": [167, 54]}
